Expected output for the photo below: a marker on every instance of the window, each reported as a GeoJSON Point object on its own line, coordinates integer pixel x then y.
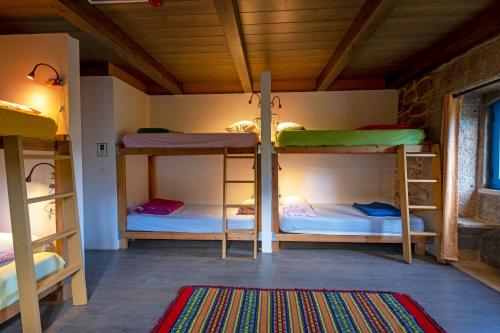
{"type": "Point", "coordinates": [495, 146]}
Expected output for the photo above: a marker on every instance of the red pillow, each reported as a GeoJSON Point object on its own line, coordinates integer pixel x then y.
{"type": "Point", "coordinates": [385, 127]}
{"type": "Point", "coordinates": [159, 207]}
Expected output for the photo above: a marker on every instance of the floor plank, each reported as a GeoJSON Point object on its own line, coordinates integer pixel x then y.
{"type": "Point", "coordinates": [129, 290]}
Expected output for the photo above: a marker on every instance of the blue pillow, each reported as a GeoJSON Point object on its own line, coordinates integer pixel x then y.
{"type": "Point", "coordinates": [377, 209]}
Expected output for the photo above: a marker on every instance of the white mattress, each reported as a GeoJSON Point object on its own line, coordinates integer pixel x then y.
{"type": "Point", "coordinates": [336, 219]}
{"type": "Point", "coordinates": [190, 219]}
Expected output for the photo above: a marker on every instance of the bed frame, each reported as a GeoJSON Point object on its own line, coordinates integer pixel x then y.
{"type": "Point", "coordinates": [66, 240]}
{"type": "Point", "coordinates": [152, 153]}
{"type": "Point", "coordinates": [408, 237]}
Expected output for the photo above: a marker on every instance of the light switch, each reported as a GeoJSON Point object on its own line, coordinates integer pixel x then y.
{"type": "Point", "coordinates": [102, 149]}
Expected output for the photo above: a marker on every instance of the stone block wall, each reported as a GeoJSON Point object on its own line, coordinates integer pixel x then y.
{"type": "Point", "coordinates": [421, 104]}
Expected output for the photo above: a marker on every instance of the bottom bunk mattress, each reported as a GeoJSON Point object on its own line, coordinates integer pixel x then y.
{"type": "Point", "coordinates": [189, 219]}
{"type": "Point", "coordinates": [337, 219]}
{"type": "Point", "coordinates": [46, 263]}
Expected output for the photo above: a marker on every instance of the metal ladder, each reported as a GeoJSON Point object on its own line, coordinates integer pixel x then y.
{"type": "Point", "coordinates": [403, 153]}
{"type": "Point", "coordinates": [253, 233]}
{"type": "Point", "coordinates": [68, 237]}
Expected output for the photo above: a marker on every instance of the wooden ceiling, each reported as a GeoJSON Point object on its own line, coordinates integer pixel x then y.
{"type": "Point", "coordinates": [221, 46]}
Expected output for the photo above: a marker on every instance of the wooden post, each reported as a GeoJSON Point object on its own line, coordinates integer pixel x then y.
{"type": "Point", "coordinates": [66, 184]}
{"type": "Point", "coordinates": [438, 199]}
{"type": "Point", "coordinates": [152, 177]}
{"type": "Point", "coordinates": [275, 200]}
{"type": "Point", "coordinates": [21, 234]}
{"type": "Point", "coordinates": [266, 161]}
{"type": "Point", "coordinates": [404, 202]}
{"type": "Point", "coordinates": [121, 191]}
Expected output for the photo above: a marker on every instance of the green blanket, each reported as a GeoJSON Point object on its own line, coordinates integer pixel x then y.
{"type": "Point", "coordinates": [351, 138]}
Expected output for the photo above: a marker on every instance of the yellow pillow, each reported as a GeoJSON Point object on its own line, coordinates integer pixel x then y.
{"type": "Point", "coordinates": [289, 126]}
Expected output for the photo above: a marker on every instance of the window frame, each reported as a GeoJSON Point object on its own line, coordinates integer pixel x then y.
{"type": "Point", "coordinates": [495, 146]}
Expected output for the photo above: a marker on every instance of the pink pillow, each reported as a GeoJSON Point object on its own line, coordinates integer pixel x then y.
{"type": "Point", "coordinates": [385, 127]}
{"type": "Point", "coordinates": [245, 211]}
{"type": "Point", "coordinates": [159, 207]}
{"type": "Point", "coordinates": [297, 206]}
{"type": "Point", "coordinates": [6, 256]}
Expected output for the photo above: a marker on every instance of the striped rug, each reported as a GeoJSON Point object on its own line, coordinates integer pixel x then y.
{"type": "Point", "coordinates": [226, 309]}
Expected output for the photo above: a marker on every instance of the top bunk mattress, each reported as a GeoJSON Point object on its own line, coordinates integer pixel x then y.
{"type": "Point", "coordinates": [26, 125]}
{"type": "Point", "coordinates": [337, 219]}
{"type": "Point", "coordinates": [190, 140]}
{"type": "Point", "coordinates": [351, 138]}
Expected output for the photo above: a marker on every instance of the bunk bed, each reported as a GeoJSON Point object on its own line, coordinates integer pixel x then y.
{"type": "Point", "coordinates": [344, 224]}
{"type": "Point", "coordinates": [39, 266]}
{"type": "Point", "coordinates": [190, 222]}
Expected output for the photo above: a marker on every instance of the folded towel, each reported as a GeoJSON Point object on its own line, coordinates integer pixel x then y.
{"type": "Point", "coordinates": [377, 209]}
{"type": "Point", "coordinates": [159, 207]}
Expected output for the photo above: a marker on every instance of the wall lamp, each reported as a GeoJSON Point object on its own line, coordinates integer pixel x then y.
{"type": "Point", "coordinates": [28, 179]}
{"type": "Point", "coordinates": [272, 101]}
{"type": "Point", "coordinates": [58, 81]}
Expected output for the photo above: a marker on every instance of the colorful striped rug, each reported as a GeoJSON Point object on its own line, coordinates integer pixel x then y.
{"type": "Point", "coordinates": [227, 309]}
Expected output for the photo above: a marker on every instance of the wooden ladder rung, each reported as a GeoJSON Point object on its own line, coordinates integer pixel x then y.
{"type": "Point", "coordinates": [240, 181]}
{"type": "Point", "coordinates": [424, 233]}
{"type": "Point", "coordinates": [46, 157]}
{"type": "Point", "coordinates": [422, 207]}
{"type": "Point", "coordinates": [239, 206]}
{"type": "Point", "coordinates": [420, 155]}
{"type": "Point", "coordinates": [56, 278]}
{"type": "Point", "coordinates": [422, 180]}
{"type": "Point", "coordinates": [50, 197]}
{"type": "Point", "coordinates": [240, 231]}
{"type": "Point", "coordinates": [52, 238]}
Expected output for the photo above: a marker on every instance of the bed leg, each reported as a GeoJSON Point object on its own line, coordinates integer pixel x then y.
{"type": "Point", "coordinates": [420, 248]}
{"type": "Point", "coordinates": [123, 243]}
{"type": "Point", "coordinates": [276, 246]}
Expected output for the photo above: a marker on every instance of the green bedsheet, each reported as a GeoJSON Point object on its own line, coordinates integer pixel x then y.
{"type": "Point", "coordinates": [351, 138]}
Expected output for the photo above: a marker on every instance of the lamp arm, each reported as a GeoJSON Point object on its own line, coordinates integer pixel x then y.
{"type": "Point", "coordinates": [28, 179]}
{"type": "Point", "coordinates": [44, 64]}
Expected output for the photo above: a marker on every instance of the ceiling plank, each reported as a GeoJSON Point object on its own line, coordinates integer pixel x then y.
{"type": "Point", "coordinates": [92, 21]}
{"type": "Point", "coordinates": [230, 20]}
{"type": "Point", "coordinates": [369, 18]}
{"type": "Point", "coordinates": [476, 31]}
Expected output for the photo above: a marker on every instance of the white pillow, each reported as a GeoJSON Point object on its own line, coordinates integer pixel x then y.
{"type": "Point", "coordinates": [297, 206]}
{"type": "Point", "coordinates": [289, 126]}
{"type": "Point", "coordinates": [7, 244]}
{"type": "Point", "coordinates": [243, 126]}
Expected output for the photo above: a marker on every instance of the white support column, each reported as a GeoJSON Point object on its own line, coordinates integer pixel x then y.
{"type": "Point", "coordinates": [266, 161]}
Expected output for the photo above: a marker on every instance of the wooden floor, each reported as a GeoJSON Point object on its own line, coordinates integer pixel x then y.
{"type": "Point", "coordinates": [129, 290]}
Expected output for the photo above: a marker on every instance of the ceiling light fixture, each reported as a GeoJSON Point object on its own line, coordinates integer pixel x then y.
{"type": "Point", "coordinates": [58, 81]}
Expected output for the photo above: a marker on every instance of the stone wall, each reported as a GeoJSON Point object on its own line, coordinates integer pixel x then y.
{"type": "Point", "coordinates": [421, 100]}
{"type": "Point", "coordinates": [421, 105]}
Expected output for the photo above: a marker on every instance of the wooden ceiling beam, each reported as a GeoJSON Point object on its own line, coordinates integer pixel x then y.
{"type": "Point", "coordinates": [95, 23]}
{"type": "Point", "coordinates": [369, 18]}
{"type": "Point", "coordinates": [230, 20]}
{"type": "Point", "coordinates": [479, 29]}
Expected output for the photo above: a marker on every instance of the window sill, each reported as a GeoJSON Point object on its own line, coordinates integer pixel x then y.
{"type": "Point", "coordinates": [489, 191]}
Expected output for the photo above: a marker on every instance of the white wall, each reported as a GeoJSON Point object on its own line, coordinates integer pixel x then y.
{"type": "Point", "coordinates": [110, 107]}
{"type": "Point", "coordinates": [341, 178]}
{"type": "Point", "coordinates": [21, 53]}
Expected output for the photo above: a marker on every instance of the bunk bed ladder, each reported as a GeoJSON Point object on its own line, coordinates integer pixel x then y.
{"type": "Point", "coordinates": [403, 153]}
{"type": "Point", "coordinates": [68, 237]}
{"type": "Point", "coordinates": [226, 230]}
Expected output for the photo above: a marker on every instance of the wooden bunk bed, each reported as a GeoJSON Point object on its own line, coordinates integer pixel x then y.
{"type": "Point", "coordinates": [67, 239]}
{"type": "Point", "coordinates": [250, 152]}
{"type": "Point", "coordinates": [408, 237]}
